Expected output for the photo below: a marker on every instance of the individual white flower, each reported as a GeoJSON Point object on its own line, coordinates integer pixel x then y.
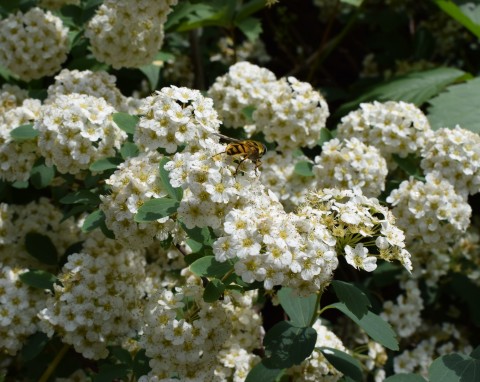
{"type": "Point", "coordinates": [128, 33]}
{"type": "Point", "coordinates": [358, 258]}
{"type": "Point", "coordinates": [77, 130]}
{"type": "Point", "coordinates": [33, 44]}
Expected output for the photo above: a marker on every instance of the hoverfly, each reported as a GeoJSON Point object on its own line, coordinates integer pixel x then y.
{"type": "Point", "coordinates": [243, 150]}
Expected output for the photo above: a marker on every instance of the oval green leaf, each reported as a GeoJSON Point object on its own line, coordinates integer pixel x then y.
{"type": "Point", "coordinates": [24, 132]}
{"type": "Point", "coordinates": [207, 266]}
{"type": "Point", "coordinates": [261, 372]}
{"type": "Point", "coordinates": [81, 197]}
{"type": "Point", "coordinates": [41, 247]}
{"type": "Point", "coordinates": [126, 122]}
{"type": "Point", "coordinates": [175, 193]}
{"type": "Point", "coordinates": [41, 175]}
{"type": "Point", "coordinates": [300, 310]}
{"type": "Point", "coordinates": [155, 209]}
{"type": "Point", "coordinates": [343, 362]}
{"type": "Point", "coordinates": [354, 299]}
{"type": "Point", "coordinates": [304, 168]}
{"type": "Point", "coordinates": [38, 279]}
{"type": "Point", "coordinates": [105, 164]}
{"type": "Point", "coordinates": [213, 291]}
{"type": "Point", "coordinates": [94, 220]}
{"type": "Point", "coordinates": [34, 346]}
{"type": "Point", "coordinates": [454, 368]}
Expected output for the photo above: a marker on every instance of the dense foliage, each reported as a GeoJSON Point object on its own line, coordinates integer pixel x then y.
{"type": "Point", "coordinates": [239, 190]}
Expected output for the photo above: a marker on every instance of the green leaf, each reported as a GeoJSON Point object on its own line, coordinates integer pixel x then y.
{"type": "Point", "coordinates": [416, 88]}
{"type": "Point", "coordinates": [353, 298]}
{"type": "Point", "coordinates": [411, 165]}
{"type": "Point", "coordinates": [304, 168]}
{"type": "Point", "coordinates": [213, 291]}
{"type": "Point", "coordinates": [467, 291]}
{"type": "Point", "coordinates": [454, 368]}
{"type": "Point", "coordinates": [325, 136]}
{"type": "Point", "coordinates": [250, 27]}
{"type": "Point", "coordinates": [24, 132]}
{"type": "Point", "coordinates": [377, 328]}
{"type": "Point", "coordinates": [355, 3]}
{"type": "Point", "coordinates": [105, 164]}
{"type": "Point", "coordinates": [20, 185]}
{"type": "Point", "coordinates": [81, 197]}
{"type": "Point", "coordinates": [386, 274]}
{"type": "Point", "coordinates": [94, 220]}
{"type": "Point", "coordinates": [287, 345]}
{"type": "Point", "coordinates": [41, 247]}
{"type": "Point", "coordinates": [155, 209]}
{"type": "Point", "coordinates": [195, 246]}
{"type": "Point", "coordinates": [120, 354]}
{"type": "Point", "coordinates": [261, 372]}
{"type": "Point", "coordinates": [465, 15]}
{"type": "Point", "coordinates": [34, 346]}
{"type": "Point", "coordinates": [41, 175]}
{"type": "Point", "coordinates": [248, 112]}
{"type": "Point", "coordinates": [248, 8]}
{"type": "Point", "coordinates": [405, 378]}
{"type": "Point", "coordinates": [343, 362]}
{"type": "Point", "coordinates": [201, 235]}
{"type": "Point", "coordinates": [108, 373]}
{"type": "Point", "coordinates": [175, 193]}
{"type": "Point", "coordinates": [140, 364]}
{"type": "Point", "coordinates": [126, 122]}
{"type": "Point", "coordinates": [152, 72]}
{"type": "Point", "coordinates": [38, 279]}
{"type": "Point", "coordinates": [300, 310]}
{"type": "Point", "coordinates": [475, 353]}
{"type": "Point", "coordinates": [207, 266]}
{"type": "Point", "coordinates": [128, 150]}
{"type": "Point", "coordinates": [457, 105]}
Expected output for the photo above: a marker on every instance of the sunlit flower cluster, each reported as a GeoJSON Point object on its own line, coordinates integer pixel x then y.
{"type": "Point", "coordinates": [96, 84]}
{"type": "Point", "coordinates": [133, 183]}
{"type": "Point", "coordinates": [19, 305]}
{"type": "Point", "coordinates": [405, 314]}
{"type": "Point", "coordinates": [18, 157]}
{"type": "Point", "coordinates": [455, 155]}
{"type": "Point", "coordinates": [245, 85]}
{"type": "Point", "coordinates": [430, 212]}
{"type": "Point", "coordinates": [77, 130]}
{"type": "Point", "coordinates": [316, 367]}
{"type": "Point", "coordinates": [279, 176]}
{"type": "Point", "coordinates": [182, 334]}
{"type": "Point", "coordinates": [43, 41]}
{"type": "Point", "coordinates": [292, 114]}
{"type": "Point", "coordinates": [392, 127]}
{"type": "Point", "coordinates": [97, 302]}
{"type": "Point", "coordinates": [128, 33]}
{"type": "Point", "coordinates": [174, 117]}
{"type": "Point", "coordinates": [364, 230]}
{"type": "Point", "coordinates": [439, 340]}
{"type": "Point", "coordinates": [39, 217]}
{"type": "Point", "coordinates": [351, 164]}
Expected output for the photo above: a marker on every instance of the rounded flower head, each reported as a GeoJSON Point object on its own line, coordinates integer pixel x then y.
{"type": "Point", "coordinates": [292, 114]}
{"type": "Point", "coordinates": [351, 164]}
{"type": "Point", "coordinates": [136, 181]}
{"type": "Point", "coordinates": [454, 154]}
{"type": "Point", "coordinates": [11, 96]}
{"type": "Point", "coordinates": [77, 130]}
{"type": "Point", "coordinates": [430, 212]}
{"type": "Point", "coordinates": [392, 127]}
{"type": "Point", "coordinates": [128, 34]}
{"type": "Point", "coordinates": [175, 117]}
{"type": "Point", "coordinates": [244, 85]}
{"type": "Point", "coordinates": [33, 44]}
{"type": "Point", "coordinates": [18, 157]}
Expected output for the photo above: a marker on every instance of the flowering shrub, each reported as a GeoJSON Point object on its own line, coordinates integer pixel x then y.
{"type": "Point", "coordinates": [239, 191]}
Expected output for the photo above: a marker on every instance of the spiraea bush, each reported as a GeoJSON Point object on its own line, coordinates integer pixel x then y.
{"type": "Point", "coordinates": [242, 190]}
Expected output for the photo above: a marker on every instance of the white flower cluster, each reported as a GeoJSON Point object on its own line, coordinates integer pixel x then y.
{"type": "Point", "coordinates": [354, 221]}
{"type": "Point", "coordinates": [19, 305]}
{"type": "Point", "coordinates": [351, 164]}
{"type": "Point", "coordinates": [316, 367]}
{"type": "Point", "coordinates": [430, 212]}
{"type": "Point", "coordinates": [11, 96]}
{"type": "Point", "coordinates": [57, 4]}
{"type": "Point", "coordinates": [236, 363]}
{"type": "Point", "coordinates": [41, 217]}
{"type": "Point", "coordinates": [77, 130]}
{"type": "Point", "coordinates": [133, 183]}
{"type": "Point", "coordinates": [183, 346]}
{"type": "Point", "coordinates": [276, 248]}
{"type": "Point", "coordinates": [243, 86]}
{"type": "Point", "coordinates": [33, 44]}
{"type": "Point", "coordinates": [455, 155]}
{"type": "Point", "coordinates": [125, 33]}
{"type": "Point", "coordinates": [392, 127]}
{"type": "Point", "coordinates": [175, 117]}
{"type": "Point", "coordinates": [97, 303]}
{"type": "Point", "coordinates": [18, 157]}
{"type": "Point", "coordinates": [439, 340]}
{"type": "Point", "coordinates": [278, 175]}
{"type": "Point", "coordinates": [292, 114]}
{"type": "Point", "coordinates": [405, 313]}
{"type": "Point", "coordinates": [96, 84]}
